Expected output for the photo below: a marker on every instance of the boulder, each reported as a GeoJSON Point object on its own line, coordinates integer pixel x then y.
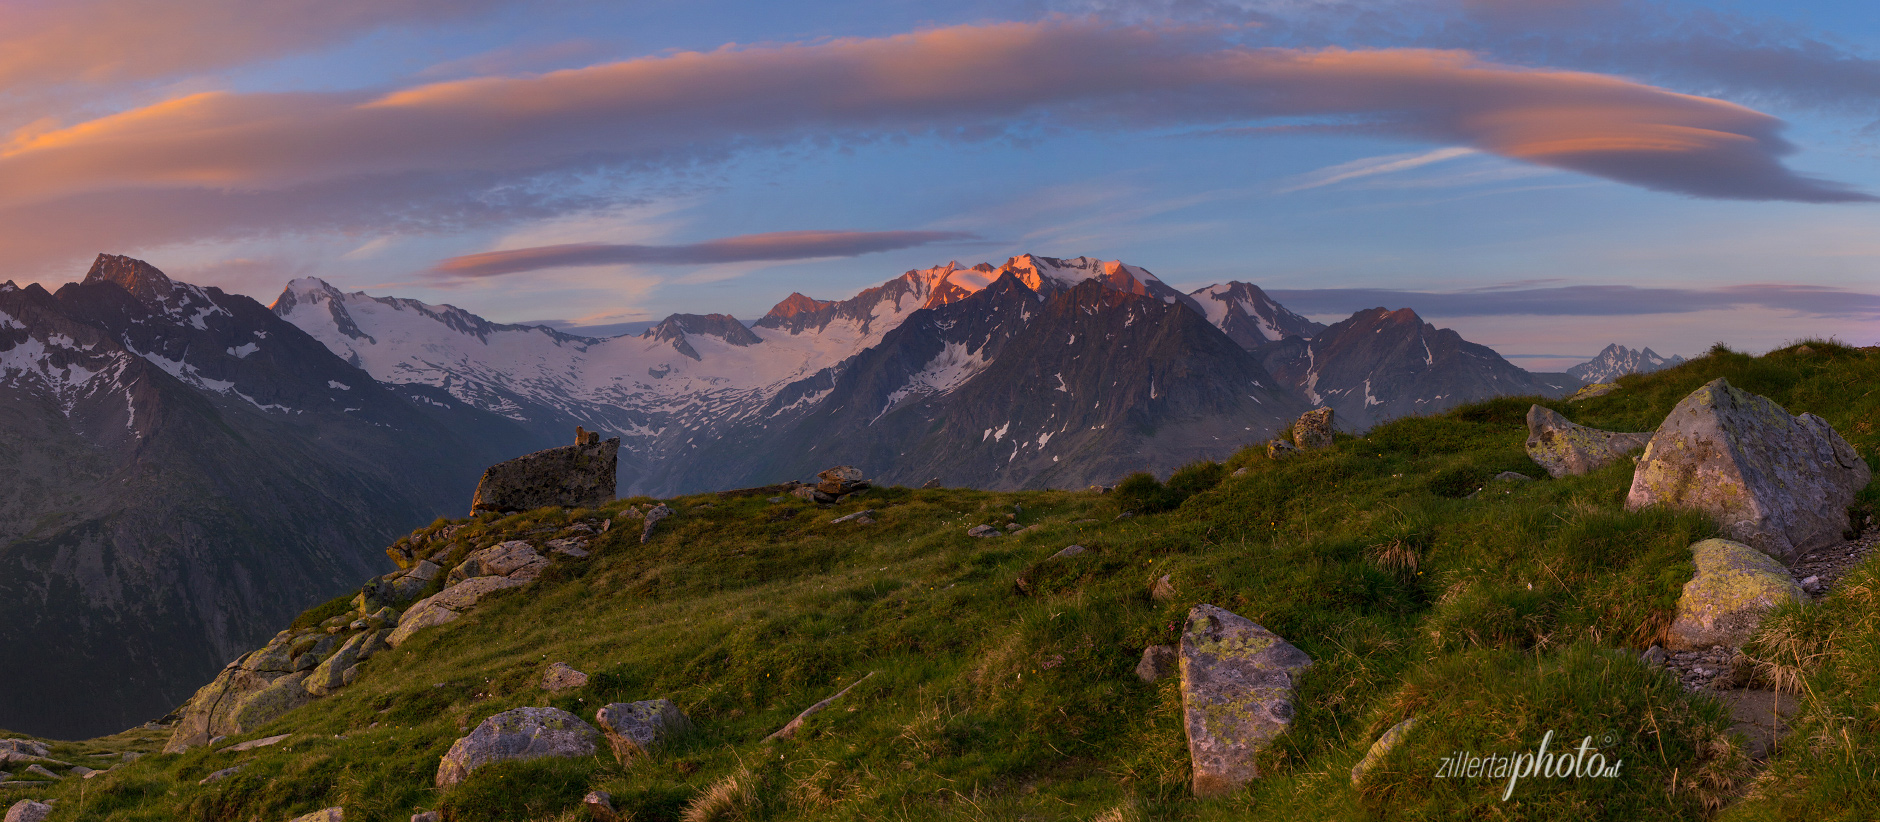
{"type": "Point", "coordinates": [40, 771]}
{"type": "Point", "coordinates": [1163, 590]}
{"type": "Point", "coordinates": [559, 677]}
{"type": "Point", "coordinates": [1237, 688]}
{"type": "Point", "coordinates": [1779, 483]}
{"type": "Point", "coordinates": [1069, 551]}
{"type": "Point", "coordinates": [1734, 587]}
{"type": "Point", "coordinates": [23, 750]}
{"type": "Point", "coordinates": [811, 493]}
{"type": "Point", "coordinates": [1157, 661]}
{"type": "Point", "coordinates": [1381, 748]}
{"type": "Point", "coordinates": [410, 584]}
{"type": "Point", "coordinates": [522, 733]}
{"type": "Point", "coordinates": [1566, 448]}
{"type": "Point", "coordinates": [515, 559]}
{"type": "Point", "coordinates": [1278, 449]}
{"type": "Point", "coordinates": [842, 479]}
{"type": "Point", "coordinates": [445, 605]}
{"type": "Point", "coordinates": [248, 693]}
{"type": "Point", "coordinates": [572, 476]}
{"type": "Point", "coordinates": [634, 729]}
{"type": "Point", "coordinates": [26, 810]}
{"type": "Point", "coordinates": [570, 546]}
{"type": "Point", "coordinates": [330, 674]}
{"type": "Point", "coordinates": [982, 531]}
{"type": "Point", "coordinates": [322, 815]}
{"type": "Point", "coordinates": [1313, 429]}
{"type": "Point", "coordinates": [653, 517]}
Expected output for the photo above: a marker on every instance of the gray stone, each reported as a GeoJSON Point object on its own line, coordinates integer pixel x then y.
{"type": "Point", "coordinates": [1157, 661]}
{"type": "Point", "coordinates": [410, 584]}
{"type": "Point", "coordinates": [323, 815]}
{"type": "Point", "coordinates": [1779, 483]}
{"type": "Point", "coordinates": [81, 771]}
{"type": "Point", "coordinates": [560, 677]}
{"type": "Point", "coordinates": [1239, 472]}
{"type": "Point", "coordinates": [427, 816]}
{"type": "Point", "coordinates": [248, 693]}
{"type": "Point", "coordinates": [1567, 449]}
{"type": "Point", "coordinates": [1163, 590]}
{"type": "Point", "coordinates": [515, 559]}
{"type": "Point", "coordinates": [1653, 657]}
{"type": "Point", "coordinates": [1381, 748]}
{"type": "Point", "coordinates": [330, 674]}
{"type": "Point", "coordinates": [220, 775]}
{"type": "Point", "coordinates": [522, 733]}
{"type": "Point", "coordinates": [653, 517]}
{"type": "Point", "coordinates": [1313, 429]}
{"type": "Point", "coordinates": [570, 546]}
{"type": "Point", "coordinates": [572, 476]}
{"type": "Point", "coordinates": [445, 605]}
{"type": "Point", "coordinates": [1278, 449]}
{"type": "Point", "coordinates": [809, 492]}
{"type": "Point", "coordinates": [256, 743]}
{"type": "Point", "coordinates": [1069, 551]}
{"type": "Point", "coordinates": [634, 729]}
{"type": "Point", "coordinates": [26, 810]}
{"type": "Point", "coordinates": [41, 770]}
{"type": "Point", "coordinates": [600, 806]}
{"type": "Point", "coordinates": [12, 748]}
{"type": "Point", "coordinates": [855, 517]}
{"type": "Point", "coordinates": [982, 531]}
{"type": "Point", "coordinates": [1237, 690]}
{"type": "Point", "coordinates": [1511, 476]}
{"type": "Point", "coordinates": [1734, 588]}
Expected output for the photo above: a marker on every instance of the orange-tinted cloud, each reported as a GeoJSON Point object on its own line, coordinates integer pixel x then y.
{"type": "Point", "coordinates": [778, 245]}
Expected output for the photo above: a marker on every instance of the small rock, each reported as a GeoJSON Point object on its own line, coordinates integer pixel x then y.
{"type": "Point", "coordinates": [600, 806]}
{"type": "Point", "coordinates": [1125, 515]}
{"type": "Point", "coordinates": [26, 810]}
{"type": "Point", "coordinates": [323, 815]}
{"type": "Point", "coordinates": [256, 743]}
{"type": "Point", "coordinates": [632, 513]}
{"type": "Point", "coordinates": [1069, 551]}
{"type": "Point", "coordinates": [852, 517]}
{"type": "Point", "coordinates": [1313, 429]}
{"type": "Point", "coordinates": [522, 733]}
{"type": "Point", "coordinates": [774, 500]}
{"type": "Point", "coordinates": [1278, 449]}
{"type": "Point", "coordinates": [40, 770]}
{"type": "Point", "coordinates": [864, 520]}
{"type": "Point", "coordinates": [1512, 476]}
{"type": "Point", "coordinates": [1013, 526]}
{"type": "Point", "coordinates": [1157, 661]}
{"type": "Point", "coordinates": [982, 531]}
{"type": "Point", "coordinates": [1239, 472]}
{"type": "Point", "coordinates": [1734, 587]}
{"type": "Point", "coordinates": [559, 677]}
{"type": "Point", "coordinates": [427, 816]}
{"type": "Point", "coordinates": [1163, 590]}
{"type": "Point", "coordinates": [653, 517]}
{"type": "Point", "coordinates": [1381, 748]}
{"type": "Point", "coordinates": [81, 771]}
{"type": "Point", "coordinates": [572, 546]}
{"type": "Point", "coordinates": [633, 729]}
{"type": "Point", "coordinates": [1653, 656]}
{"type": "Point", "coordinates": [220, 775]}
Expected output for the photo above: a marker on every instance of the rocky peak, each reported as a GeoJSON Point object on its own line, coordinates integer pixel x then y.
{"type": "Point", "coordinates": [796, 303]}
{"type": "Point", "coordinates": [140, 278]}
{"type": "Point", "coordinates": [722, 326]}
{"type": "Point", "coordinates": [1617, 360]}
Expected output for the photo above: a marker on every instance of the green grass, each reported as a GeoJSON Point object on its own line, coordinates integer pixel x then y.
{"type": "Point", "coordinates": [1494, 619]}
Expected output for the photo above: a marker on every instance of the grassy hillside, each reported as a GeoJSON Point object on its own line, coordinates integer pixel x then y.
{"type": "Point", "coordinates": [1492, 617]}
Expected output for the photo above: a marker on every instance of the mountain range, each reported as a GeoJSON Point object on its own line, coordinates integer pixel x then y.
{"type": "Point", "coordinates": [193, 467]}
{"type": "Point", "coordinates": [1617, 360]}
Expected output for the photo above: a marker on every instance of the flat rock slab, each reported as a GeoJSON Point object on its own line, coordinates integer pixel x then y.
{"type": "Point", "coordinates": [1734, 587]}
{"type": "Point", "coordinates": [634, 728]}
{"type": "Point", "coordinates": [257, 743]}
{"type": "Point", "coordinates": [522, 733]}
{"type": "Point", "coordinates": [1760, 716]}
{"type": "Point", "coordinates": [1779, 483]}
{"type": "Point", "coordinates": [1566, 448]}
{"type": "Point", "coordinates": [1237, 688]}
{"type": "Point", "coordinates": [572, 476]}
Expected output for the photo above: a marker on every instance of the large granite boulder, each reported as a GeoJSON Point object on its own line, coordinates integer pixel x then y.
{"type": "Point", "coordinates": [26, 810]}
{"type": "Point", "coordinates": [1734, 587]}
{"type": "Point", "coordinates": [634, 729]}
{"type": "Point", "coordinates": [522, 733]}
{"type": "Point", "coordinates": [445, 606]}
{"type": "Point", "coordinates": [1313, 429]}
{"type": "Point", "coordinates": [248, 693]}
{"type": "Point", "coordinates": [572, 476]}
{"type": "Point", "coordinates": [1237, 687]}
{"type": "Point", "coordinates": [1566, 448]}
{"type": "Point", "coordinates": [1779, 483]}
{"type": "Point", "coordinates": [515, 559]}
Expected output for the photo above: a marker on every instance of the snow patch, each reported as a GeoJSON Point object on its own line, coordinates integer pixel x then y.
{"type": "Point", "coordinates": [242, 351]}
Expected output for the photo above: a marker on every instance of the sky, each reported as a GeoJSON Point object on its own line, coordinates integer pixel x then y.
{"type": "Point", "coordinates": [1544, 176]}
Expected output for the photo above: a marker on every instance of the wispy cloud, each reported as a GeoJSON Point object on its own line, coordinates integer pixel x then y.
{"type": "Point", "coordinates": [1589, 300]}
{"type": "Point", "coordinates": [1372, 166]}
{"type": "Point", "coordinates": [781, 245]}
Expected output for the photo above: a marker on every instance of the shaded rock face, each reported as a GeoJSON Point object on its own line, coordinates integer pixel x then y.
{"type": "Point", "coordinates": [1779, 483]}
{"type": "Point", "coordinates": [1237, 687]}
{"type": "Point", "coordinates": [1734, 587]}
{"type": "Point", "coordinates": [634, 729]}
{"type": "Point", "coordinates": [247, 694]}
{"type": "Point", "coordinates": [1566, 448]}
{"type": "Point", "coordinates": [572, 476]}
{"type": "Point", "coordinates": [523, 733]}
{"type": "Point", "coordinates": [1313, 429]}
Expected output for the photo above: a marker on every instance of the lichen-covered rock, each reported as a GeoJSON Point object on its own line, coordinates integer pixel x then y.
{"type": "Point", "coordinates": [330, 674]}
{"type": "Point", "coordinates": [842, 479]}
{"type": "Point", "coordinates": [1566, 448]}
{"type": "Point", "coordinates": [982, 531]}
{"type": "Point", "coordinates": [1598, 389]}
{"type": "Point", "coordinates": [322, 815]}
{"type": "Point", "coordinates": [1237, 689]}
{"type": "Point", "coordinates": [572, 476]}
{"type": "Point", "coordinates": [22, 750]}
{"type": "Point", "coordinates": [522, 733]}
{"type": "Point", "coordinates": [1313, 429]}
{"type": "Point", "coordinates": [1278, 449]}
{"type": "Point", "coordinates": [1734, 587]}
{"type": "Point", "coordinates": [1381, 748]}
{"type": "Point", "coordinates": [1157, 661]}
{"type": "Point", "coordinates": [445, 605]}
{"type": "Point", "coordinates": [515, 559]}
{"type": "Point", "coordinates": [26, 810]}
{"type": "Point", "coordinates": [653, 516]}
{"type": "Point", "coordinates": [409, 585]}
{"type": "Point", "coordinates": [242, 697]}
{"type": "Point", "coordinates": [560, 677]}
{"type": "Point", "coordinates": [1779, 483]}
{"type": "Point", "coordinates": [633, 729]}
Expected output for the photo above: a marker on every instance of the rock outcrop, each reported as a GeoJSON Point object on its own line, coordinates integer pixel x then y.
{"type": "Point", "coordinates": [444, 606]}
{"type": "Point", "coordinates": [572, 476]}
{"type": "Point", "coordinates": [247, 694]}
{"type": "Point", "coordinates": [522, 733]}
{"type": "Point", "coordinates": [1313, 429]}
{"type": "Point", "coordinates": [515, 559]}
{"type": "Point", "coordinates": [1567, 449]}
{"type": "Point", "coordinates": [1237, 687]}
{"type": "Point", "coordinates": [1734, 587]}
{"type": "Point", "coordinates": [634, 729]}
{"type": "Point", "coordinates": [1780, 483]}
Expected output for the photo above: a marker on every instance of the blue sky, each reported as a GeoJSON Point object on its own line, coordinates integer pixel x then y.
{"type": "Point", "coordinates": [1544, 176]}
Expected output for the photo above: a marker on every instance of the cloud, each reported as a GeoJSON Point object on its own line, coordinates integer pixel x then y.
{"type": "Point", "coordinates": [780, 245]}
{"type": "Point", "coordinates": [1371, 166]}
{"type": "Point", "coordinates": [1589, 300]}
{"type": "Point", "coordinates": [106, 41]}
{"type": "Point", "coordinates": [464, 146]}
